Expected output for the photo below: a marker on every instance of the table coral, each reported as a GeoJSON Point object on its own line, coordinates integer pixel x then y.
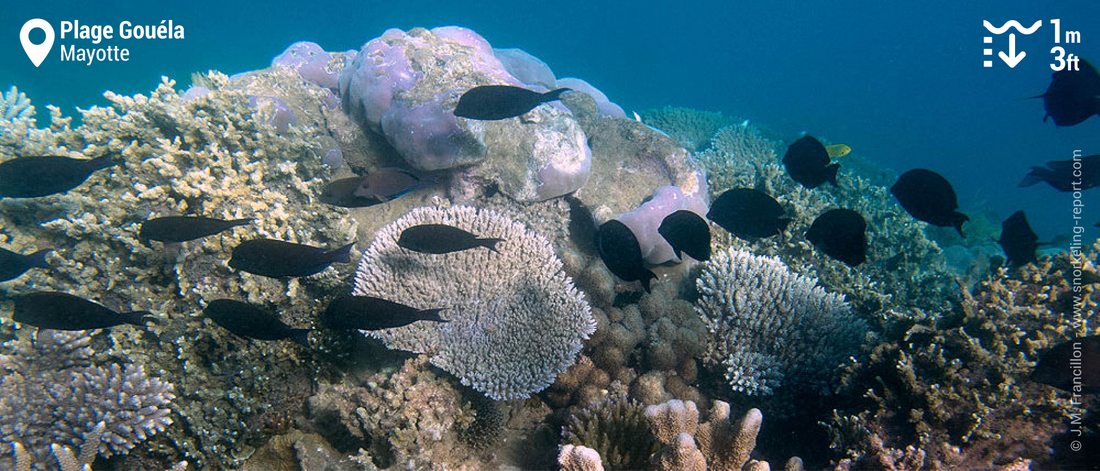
{"type": "Point", "coordinates": [514, 318]}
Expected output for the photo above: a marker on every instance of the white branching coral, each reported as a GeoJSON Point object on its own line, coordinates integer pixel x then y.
{"type": "Point", "coordinates": [54, 397]}
{"type": "Point", "coordinates": [515, 319]}
{"type": "Point", "coordinates": [771, 327]}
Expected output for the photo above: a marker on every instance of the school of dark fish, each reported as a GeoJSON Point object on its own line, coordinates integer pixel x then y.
{"type": "Point", "coordinates": [747, 213]}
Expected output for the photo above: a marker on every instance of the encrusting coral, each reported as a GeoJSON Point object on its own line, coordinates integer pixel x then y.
{"type": "Point", "coordinates": [514, 318]}
{"type": "Point", "coordinates": [772, 328]}
{"type": "Point", "coordinates": [56, 396]}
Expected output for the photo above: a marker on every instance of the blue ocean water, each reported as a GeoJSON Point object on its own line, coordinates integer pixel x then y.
{"type": "Point", "coordinates": [901, 82]}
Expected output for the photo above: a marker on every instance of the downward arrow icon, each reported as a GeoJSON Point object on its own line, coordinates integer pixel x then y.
{"type": "Point", "coordinates": [1011, 59]}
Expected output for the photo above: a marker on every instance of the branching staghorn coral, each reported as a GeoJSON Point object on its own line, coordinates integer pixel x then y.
{"type": "Point", "coordinates": [55, 397]}
{"type": "Point", "coordinates": [216, 156]}
{"type": "Point", "coordinates": [954, 385]}
{"type": "Point", "coordinates": [691, 128]}
{"type": "Point", "coordinates": [771, 327]}
{"type": "Point", "coordinates": [514, 318]}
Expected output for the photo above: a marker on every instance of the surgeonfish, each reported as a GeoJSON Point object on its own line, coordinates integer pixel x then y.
{"type": "Point", "coordinates": [62, 311]}
{"type": "Point", "coordinates": [278, 259]}
{"type": "Point", "coordinates": [495, 102]}
{"type": "Point", "coordinates": [441, 239]}
{"type": "Point", "coordinates": [32, 177]}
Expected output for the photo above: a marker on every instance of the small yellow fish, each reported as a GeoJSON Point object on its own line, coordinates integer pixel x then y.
{"type": "Point", "coordinates": [838, 150]}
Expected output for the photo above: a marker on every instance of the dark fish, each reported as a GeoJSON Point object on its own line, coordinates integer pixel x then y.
{"type": "Point", "coordinates": [386, 184]}
{"type": "Point", "coordinates": [747, 213]}
{"type": "Point", "coordinates": [808, 163]}
{"type": "Point", "coordinates": [686, 232]}
{"type": "Point", "coordinates": [441, 238]}
{"type": "Point", "coordinates": [14, 264]}
{"type": "Point", "coordinates": [1073, 95]}
{"type": "Point", "coordinates": [928, 197]}
{"type": "Point", "coordinates": [493, 102]}
{"type": "Point", "coordinates": [60, 311]}
{"type": "Point", "coordinates": [622, 254]}
{"type": "Point", "coordinates": [582, 225]}
{"type": "Point", "coordinates": [841, 234]}
{"type": "Point", "coordinates": [31, 177]}
{"type": "Point", "coordinates": [1074, 359]}
{"type": "Point", "coordinates": [185, 228]}
{"type": "Point", "coordinates": [342, 193]}
{"type": "Point", "coordinates": [251, 322]}
{"type": "Point", "coordinates": [277, 259]}
{"type": "Point", "coordinates": [1018, 240]}
{"type": "Point", "coordinates": [369, 313]}
{"type": "Point", "coordinates": [1059, 174]}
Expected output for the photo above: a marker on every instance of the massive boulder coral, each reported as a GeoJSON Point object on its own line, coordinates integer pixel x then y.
{"type": "Point", "coordinates": [405, 86]}
{"type": "Point", "coordinates": [772, 328]}
{"type": "Point", "coordinates": [54, 395]}
{"type": "Point", "coordinates": [514, 318]}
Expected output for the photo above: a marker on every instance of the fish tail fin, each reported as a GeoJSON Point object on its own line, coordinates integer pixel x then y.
{"type": "Point", "coordinates": [831, 171]}
{"type": "Point", "coordinates": [554, 94]}
{"type": "Point", "coordinates": [649, 275]}
{"type": "Point", "coordinates": [38, 259]}
{"type": "Point", "coordinates": [342, 254]}
{"type": "Point", "coordinates": [240, 222]}
{"type": "Point", "coordinates": [1034, 176]}
{"type": "Point", "coordinates": [490, 243]}
{"type": "Point", "coordinates": [431, 315]}
{"type": "Point", "coordinates": [100, 163]}
{"type": "Point", "coordinates": [300, 336]}
{"type": "Point", "coordinates": [139, 318]}
{"type": "Point", "coordinates": [959, 219]}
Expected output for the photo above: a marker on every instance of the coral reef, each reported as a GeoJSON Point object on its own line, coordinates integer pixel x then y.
{"type": "Point", "coordinates": [56, 396]}
{"type": "Point", "coordinates": [514, 318]}
{"type": "Point", "coordinates": [904, 268]}
{"type": "Point", "coordinates": [411, 418]}
{"type": "Point", "coordinates": [615, 429]}
{"type": "Point", "coordinates": [691, 128]}
{"type": "Point", "coordinates": [397, 86]}
{"type": "Point", "coordinates": [771, 328]}
{"type": "Point", "coordinates": [954, 386]}
{"type": "Point", "coordinates": [672, 439]}
{"type": "Point", "coordinates": [214, 156]}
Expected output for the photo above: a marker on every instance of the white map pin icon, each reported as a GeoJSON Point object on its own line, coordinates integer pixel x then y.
{"type": "Point", "coordinates": [36, 52]}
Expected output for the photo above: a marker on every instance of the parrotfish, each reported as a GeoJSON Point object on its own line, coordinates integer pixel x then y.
{"type": "Point", "coordinates": [748, 214]}
{"type": "Point", "coordinates": [928, 197]}
{"type": "Point", "coordinates": [494, 102]}
{"type": "Point", "coordinates": [686, 232]}
{"type": "Point", "coordinates": [185, 228]}
{"type": "Point", "coordinates": [251, 322]}
{"type": "Point", "coordinates": [1077, 359]}
{"type": "Point", "coordinates": [808, 163]}
{"type": "Point", "coordinates": [1073, 95]}
{"type": "Point", "coordinates": [13, 264]}
{"type": "Point", "coordinates": [620, 251]}
{"type": "Point", "coordinates": [370, 313]}
{"type": "Point", "coordinates": [442, 239]}
{"type": "Point", "coordinates": [278, 259]}
{"type": "Point", "coordinates": [840, 234]}
{"type": "Point", "coordinates": [31, 177]}
{"type": "Point", "coordinates": [61, 311]}
{"type": "Point", "coordinates": [343, 193]}
{"type": "Point", "coordinates": [1059, 174]}
{"type": "Point", "coordinates": [386, 184]}
{"type": "Point", "coordinates": [1018, 240]}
